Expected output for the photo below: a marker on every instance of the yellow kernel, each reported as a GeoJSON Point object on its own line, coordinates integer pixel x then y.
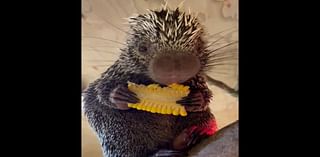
{"type": "Point", "coordinates": [158, 109]}
{"type": "Point", "coordinates": [144, 106]}
{"type": "Point", "coordinates": [183, 112]}
{"type": "Point", "coordinates": [168, 110]}
{"type": "Point", "coordinates": [163, 109]}
{"type": "Point", "coordinates": [154, 108]}
{"type": "Point", "coordinates": [175, 111]}
{"type": "Point", "coordinates": [134, 105]}
{"type": "Point", "coordinates": [139, 106]}
{"type": "Point", "coordinates": [149, 107]}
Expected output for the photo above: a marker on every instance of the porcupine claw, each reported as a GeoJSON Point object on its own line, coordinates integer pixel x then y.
{"type": "Point", "coordinates": [121, 96]}
{"type": "Point", "coordinates": [194, 102]}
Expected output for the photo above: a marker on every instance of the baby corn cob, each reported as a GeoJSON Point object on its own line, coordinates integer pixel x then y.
{"type": "Point", "coordinates": [156, 99]}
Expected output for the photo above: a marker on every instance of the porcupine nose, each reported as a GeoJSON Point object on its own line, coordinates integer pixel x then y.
{"type": "Point", "coordinates": [174, 68]}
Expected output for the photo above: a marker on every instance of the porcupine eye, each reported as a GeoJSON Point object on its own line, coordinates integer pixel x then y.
{"type": "Point", "coordinates": [143, 48]}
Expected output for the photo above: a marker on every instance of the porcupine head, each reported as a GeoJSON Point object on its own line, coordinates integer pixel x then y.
{"type": "Point", "coordinates": [164, 47]}
{"type": "Point", "coordinates": [167, 45]}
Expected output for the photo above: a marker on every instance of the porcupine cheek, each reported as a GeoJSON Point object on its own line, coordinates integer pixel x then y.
{"type": "Point", "coordinates": [173, 68]}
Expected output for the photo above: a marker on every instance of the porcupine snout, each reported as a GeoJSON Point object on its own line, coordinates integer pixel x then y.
{"type": "Point", "coordinates": [174, 67]}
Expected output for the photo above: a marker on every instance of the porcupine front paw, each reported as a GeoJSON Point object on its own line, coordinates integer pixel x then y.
{"type": "Point", "coordinates": [194, 134]}
{"type": "Point", "coordinates": [121, 96]}
{"type": "Point", "coordinates": [194, 102]}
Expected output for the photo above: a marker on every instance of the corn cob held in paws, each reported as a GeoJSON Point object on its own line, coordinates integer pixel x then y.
{"type": "Point", "coordinates": [156, 99]}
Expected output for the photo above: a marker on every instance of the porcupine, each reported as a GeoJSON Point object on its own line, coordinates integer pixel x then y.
{"type": "Point", "coordinates": [165, 46]}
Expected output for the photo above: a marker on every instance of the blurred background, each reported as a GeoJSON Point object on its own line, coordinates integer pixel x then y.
{"type": "Point", "coordinates": [103, 34]}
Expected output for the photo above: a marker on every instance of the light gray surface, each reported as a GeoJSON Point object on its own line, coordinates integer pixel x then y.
{"type": "Point", "coordinates": [224, 144]}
